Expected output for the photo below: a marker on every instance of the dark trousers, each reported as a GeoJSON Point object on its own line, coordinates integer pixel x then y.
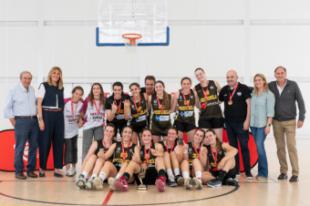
{"type": "Point", "coordinates": [236, 133]}
{"type": "Point", "coordinates": [25, 129]}
{"type": "Point", "coordinates": [52, 134]}
{"type": "Point", "coordinates": [71, 150]}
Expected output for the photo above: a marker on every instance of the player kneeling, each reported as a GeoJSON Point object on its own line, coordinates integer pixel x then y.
{"type": "Point", "coordinates": [194, 157]}
{"type": "Point", "coordinates": [147, 163]}
{"type": "Point", "coordinates": [95, 158]}
{"type": "Point", "coordinates": [221, 162]}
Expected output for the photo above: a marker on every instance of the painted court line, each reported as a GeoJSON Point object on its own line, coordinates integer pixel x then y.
{"type": "Point", "coordinates": [107, 198]}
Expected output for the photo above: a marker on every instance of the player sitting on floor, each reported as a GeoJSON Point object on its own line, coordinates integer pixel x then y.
{"type": "Point", "coordinates": [172, 160]}
{"type": "Point", "coordinates": [148, 162]}
{"type": "Point", "coordinates": [194, 160]}
{"type": "Point", "coordinates": [221, 162]}
{"type": "Point", "coordinates": [95, 158]}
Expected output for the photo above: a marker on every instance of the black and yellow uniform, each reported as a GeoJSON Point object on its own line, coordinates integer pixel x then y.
{"type": "Point", "coordinates": [161, 116]}
{"type": "Point", "coordinates": [214, 158]}
{"type": "Point", "coordinates": [185, 119]}
{"type": "Point", "coordinates": [122, 154]}
{"type": "Point", "coordinates": [170, 149]}
{"type": "Point", "coordinates": [210, 111]}
{"type": "Point", "coordinates": [119, 120]}
{"type": "Point", "coordinates": [139, 114]}
{"type": "Point", "coordinates": [148, 158]}
{"type": "Point", "coordinates": [100, 147]}
{"type": "Point", "coordinates": [193, 153]}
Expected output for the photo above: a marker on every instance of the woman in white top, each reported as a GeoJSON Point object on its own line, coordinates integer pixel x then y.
{"type": "Point", "coordinates": [94, 117]}
{"type": "Point", "coordinates": [73, 121]}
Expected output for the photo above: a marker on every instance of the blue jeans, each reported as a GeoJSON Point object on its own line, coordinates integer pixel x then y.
{"type": "Point", "coordinates": [236, 133]}
{"type": "Point", "coordinates": [259, 136]}
{"type": "Point", "coordinates": [25, 129]}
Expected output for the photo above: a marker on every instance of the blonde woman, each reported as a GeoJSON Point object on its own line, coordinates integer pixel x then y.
{"type": "Point", "coordinates": [51, 120]}
{"type": "Point", "coordinates": [262, 112]}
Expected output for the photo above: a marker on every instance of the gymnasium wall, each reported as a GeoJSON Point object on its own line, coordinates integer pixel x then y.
{"type": "Point", "coordinates": [248, 35]}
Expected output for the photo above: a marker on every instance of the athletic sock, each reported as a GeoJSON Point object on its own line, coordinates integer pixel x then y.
{"type": "Point", "coordinates": [170, 174]}
{"type": "Point", "coordinates": [126, 175]}
{"type": "Point", "coordinates": [85, 174]}
{"type": "Point", "coordinates": [198, 174]}
{"type": "Point", "coordinates": [117, 176]}
{"type": "Point", "coordinates": [93, 176]}
{"type": "Point", "coordinates": [185, 174]}
{"type": "Point", "coordinates": [176, 171]}
{"type": "Point", "coordinates": [102, 176]}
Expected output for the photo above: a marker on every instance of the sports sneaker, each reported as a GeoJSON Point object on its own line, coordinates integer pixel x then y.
{"type": "Point", "coordinates": [142, 187]}
{"type": "Point", "coordinates": [111, 182]}
{"type": "Point", "coordinates": [261, 178]}
{"type": "Point", "coordinates": [180, 180]}
{"type": "Point", "coordinates": [89, 185]}
{"type": "Point", "coordinates": [81, 181]}
{"type": "Point", "coordinates": [160, 183]}
{"type": "Point", "coordinates": [121, 184]}
{"type": "Point", "coordinates": [98, 183]}
{"type": "Point", "coordinates": [172, 183]}
{"type": "Point", "coordinates": [71, 172]}
{"type": "Point", "coordinates": [231, 182]}
{"type": "Point", "coordinates": [197, 184]}
{"type": "Point", "coordinates": [187, 184]}
{"type": "Point", "coordinates": [248, 175]}
{"type": "Point", "coordinates": [214, 183]}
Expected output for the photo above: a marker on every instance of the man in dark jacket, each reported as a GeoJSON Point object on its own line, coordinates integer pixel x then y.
{"type": "Point", "coordinates": [287, 93]}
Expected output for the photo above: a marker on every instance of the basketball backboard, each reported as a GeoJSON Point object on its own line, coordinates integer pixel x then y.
{"type": "Point", "coordinates": [147, 18]}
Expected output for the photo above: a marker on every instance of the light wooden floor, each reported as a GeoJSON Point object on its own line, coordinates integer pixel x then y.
{"type": "Point", "coordinates": [51, 191]}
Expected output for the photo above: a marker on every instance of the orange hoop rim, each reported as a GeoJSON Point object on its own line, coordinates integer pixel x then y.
{"type": "Point", "coordinates": [132, 37]}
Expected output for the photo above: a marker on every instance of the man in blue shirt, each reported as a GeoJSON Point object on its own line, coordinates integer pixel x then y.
{"type": "Point", "coordinates": [21, 111]}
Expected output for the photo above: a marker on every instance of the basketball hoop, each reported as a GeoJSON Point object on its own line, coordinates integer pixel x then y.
{"type": "Point", "coordinates": [132, 37]}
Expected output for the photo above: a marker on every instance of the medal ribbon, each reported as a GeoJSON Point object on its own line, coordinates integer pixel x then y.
{"type": "Point", "coordinates": [233, 92]}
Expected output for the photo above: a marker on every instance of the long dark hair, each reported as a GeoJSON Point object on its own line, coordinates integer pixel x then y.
{"type": "Point", "coordinates": [167, 98]}
{"type": "Point", "coordinates": [91, 95]}
{"type": "Point", "coordinates": [217, 139]}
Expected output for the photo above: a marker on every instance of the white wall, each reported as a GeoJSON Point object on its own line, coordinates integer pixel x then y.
{"type": "Point", "coordinates": [249, 35]}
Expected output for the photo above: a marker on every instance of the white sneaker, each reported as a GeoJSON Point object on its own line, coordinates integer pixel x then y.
{"type": "Point", "coordinates": [90, 184]}
{"type": "Point", "coordinates": [111, 182]}
{"type": "Point", "coordinates": [197, 183]}
{"type": "Point", "coordinates": [98, 183]}
{"type": "Point", "coordinates": [70, 172]}
{"type": "Point", "coordinates": [187, 184]}
{"type": "Point", "coordinates": [81, 181]}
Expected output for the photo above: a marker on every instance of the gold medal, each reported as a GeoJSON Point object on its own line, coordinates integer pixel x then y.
{"type": "Point", "coordinates": [124, 155]}
{"type": "Point", "coordinates": [138, 109]}
{"type": "Point", "coordinates": [230, 102]}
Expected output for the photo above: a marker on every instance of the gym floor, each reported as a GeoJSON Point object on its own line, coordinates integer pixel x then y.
{"type": "Point", "coordinates": [55, 191]}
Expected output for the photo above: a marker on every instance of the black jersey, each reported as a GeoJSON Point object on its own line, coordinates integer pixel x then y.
{"type": "Point", "coordinates": [161, 112]}
{"type": "Point", "coordinates": [122, 154]}
{"type": "Point", "coordinates": [170, 149]}
{"type": "Point", "coordinates": [138, 111]}
{"type": "Point", "coordinates": [119, 118]}
{"type": "Point", "coordinates": [146, 156]}
{"type": "Point", "coordinates": [209, 101]}
{"type": "Point", "coordinates": [214, 157]}
{"type": "Point", "coordinates": [193, 153]}
{"type": "Point", "coordinates": [185, 107]}
{"type": "Point", "coordinates": [100, 146]}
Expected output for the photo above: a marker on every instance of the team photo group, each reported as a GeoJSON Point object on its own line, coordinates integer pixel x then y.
{"type": "Point", "coordinates": [150, 136]}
